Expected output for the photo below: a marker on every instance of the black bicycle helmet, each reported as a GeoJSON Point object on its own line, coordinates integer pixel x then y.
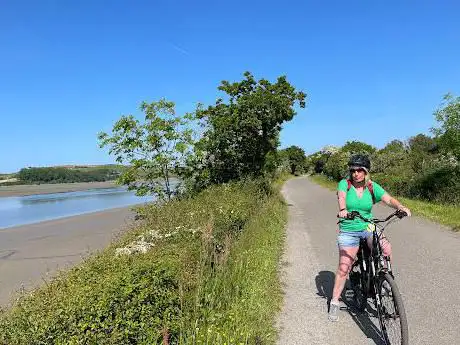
{"type": "Point", "coordinates": [360, 161]}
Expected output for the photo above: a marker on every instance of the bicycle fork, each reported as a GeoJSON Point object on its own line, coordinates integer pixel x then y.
{"type": "Point", "coordinates": [373, 279]}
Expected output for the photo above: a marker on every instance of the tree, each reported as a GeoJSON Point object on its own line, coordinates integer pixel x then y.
{"type": "Point", "coordinates": [317, 161]}
{"type": "Point", "coordinates": [329, 150]}
{"type": "Point", "coordinates": [275, 162]}
{"type": "Point", "coordinates": [392, 156]}
{"type": "Point", "coordinates": [64, 175]}
{"type": "Point", "coordinates": [422, 143]}
{"type": "Point", "coordinates": [241, 132]}
{"type": "Point", "coordinates": [448, 130]}
{"type": "Point", "coordinates": [422, 150]}
{"type": "Point", "coordinates": [358, 147]}
{"type": "Point", "coordinates": [394, 146]}
{"type": "Point", "coordinates": [337, 165]}
{"type": "Point", "coordinates": [296, 158]}
{"type": "Point", "coordinates": [154, 148]}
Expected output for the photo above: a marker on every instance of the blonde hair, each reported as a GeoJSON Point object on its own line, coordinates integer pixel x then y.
{"type": "Point", "coordinates": [367, 177]}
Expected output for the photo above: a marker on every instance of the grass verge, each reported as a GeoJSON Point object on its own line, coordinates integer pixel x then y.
{"type": "Point", "coordinates": [202, 270]}
{"type": "Point", "coordinates": [448, 215]}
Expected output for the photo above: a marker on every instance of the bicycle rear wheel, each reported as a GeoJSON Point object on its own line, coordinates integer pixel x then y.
{"type": "Point", "coordinates": [392, 315]}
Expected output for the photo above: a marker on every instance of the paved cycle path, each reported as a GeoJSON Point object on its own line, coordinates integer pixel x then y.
{"type": "Point", "coordinates": [426, 266]}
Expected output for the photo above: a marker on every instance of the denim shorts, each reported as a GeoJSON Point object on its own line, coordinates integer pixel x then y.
{"type": "Point", "coordinates": [351, 238]}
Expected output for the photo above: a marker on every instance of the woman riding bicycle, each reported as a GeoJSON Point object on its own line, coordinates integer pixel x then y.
{"type": "Point", "coordinates": [357, 193]}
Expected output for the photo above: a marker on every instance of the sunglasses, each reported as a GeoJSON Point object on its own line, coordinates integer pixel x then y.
{"type": "Point", "coordinates": [360, 170]}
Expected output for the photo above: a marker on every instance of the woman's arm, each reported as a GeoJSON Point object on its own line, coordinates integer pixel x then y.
{"type": "Point", "coordinates": [393, 202]}
{"type": "Point", "coordinates": [342, 204]}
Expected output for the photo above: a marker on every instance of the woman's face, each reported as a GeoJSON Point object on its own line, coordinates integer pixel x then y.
{"type": "Point", "coordinates": [358, 174]}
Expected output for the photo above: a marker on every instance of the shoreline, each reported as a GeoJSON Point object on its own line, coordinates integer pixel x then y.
{"type": "Point", "coordinates": [71, 218]}
{"type": "Point", "coordinates": [34, 253]}
{"type": "Point", "coordinates": [97, 212]}
{"type": "Point", "coordinates": [38, 189]}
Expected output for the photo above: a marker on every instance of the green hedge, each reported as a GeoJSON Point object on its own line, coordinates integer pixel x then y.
{"type": "Point", "coordinates": [438, 184]}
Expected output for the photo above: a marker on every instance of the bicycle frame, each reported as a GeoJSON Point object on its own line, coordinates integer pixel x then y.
{"type": "Point", "coordinates": [371, 260]}
{"type": "Point", "coordinates": [374, 269]}
{"type": "Point", "coordinates": [374, 263]}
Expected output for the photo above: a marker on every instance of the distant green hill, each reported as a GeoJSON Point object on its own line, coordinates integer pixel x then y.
{"type": "Point", "coordinates": [64, 174]}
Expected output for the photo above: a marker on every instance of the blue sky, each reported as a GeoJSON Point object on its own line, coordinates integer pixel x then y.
{"type": "Point", "coordinates": [373, 70]}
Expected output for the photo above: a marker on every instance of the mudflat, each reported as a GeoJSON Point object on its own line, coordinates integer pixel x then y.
{"type": "Point", "coordinates": [30, 254]}
{"type": "Point", "coordinates": [33, 189]}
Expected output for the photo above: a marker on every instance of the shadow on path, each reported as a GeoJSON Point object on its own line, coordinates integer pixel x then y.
{"type": "Point", "coordinates": [325, 284]}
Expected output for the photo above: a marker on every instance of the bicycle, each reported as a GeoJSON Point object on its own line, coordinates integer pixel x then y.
{"type": "Point", "coordinates": [371, 277]}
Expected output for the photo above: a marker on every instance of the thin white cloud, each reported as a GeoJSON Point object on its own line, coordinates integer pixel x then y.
{"type": "Point", "coordinates": [179, 49]}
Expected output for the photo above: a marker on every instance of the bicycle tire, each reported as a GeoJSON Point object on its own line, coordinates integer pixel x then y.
{"type": "Point", "coordinates": [358, 286]}
{"type": "Point", "coordinates": [386, 314]}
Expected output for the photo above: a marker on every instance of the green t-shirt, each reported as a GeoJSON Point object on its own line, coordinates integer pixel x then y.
{"type": "Point", "coordinates": [363, 205]}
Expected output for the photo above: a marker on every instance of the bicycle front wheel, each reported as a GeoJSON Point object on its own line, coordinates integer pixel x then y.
{"type": "Point", "coordinates": [358, 285]}
{"type": "Point", "coordinates": [392, 315]}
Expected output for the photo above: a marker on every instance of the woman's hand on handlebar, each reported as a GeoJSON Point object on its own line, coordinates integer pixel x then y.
{"type": "Point", "coordinates": [406, 210]}
{"type": "Point", "coordinates": [343, 214]}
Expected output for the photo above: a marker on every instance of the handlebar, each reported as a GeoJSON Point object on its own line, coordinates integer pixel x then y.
{"type": "Point", "coordinates": [353, 214]}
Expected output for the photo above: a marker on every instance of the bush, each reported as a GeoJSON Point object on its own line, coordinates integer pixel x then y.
{"type": "Point", "coordinates": [337, 165]}
{"type": "Point", "coordinates": [105, 301]}
{"type": "Point", "coordinates": [418, 170]}
{"type": "Point", "coordinates": [395, 184]}
{"type": "Point", "coordinates": [389, 161]}
{"type": "Point", "coordinates": [437, 184]}
{"type": "Point", "coordinates": [182, 280]}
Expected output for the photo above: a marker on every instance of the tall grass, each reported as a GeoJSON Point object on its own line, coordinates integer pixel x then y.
{"type": "Point", "coordinates": [245, 289]}
{"type": "Point", "coordinates": [202, 270]}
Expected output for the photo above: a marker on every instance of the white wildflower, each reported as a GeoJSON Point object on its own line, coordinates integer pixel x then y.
{"type": "Point", "coordinates": [155, 234]}
{"type": "Point", "coordinates": [122, 251]}
{"type": "Point", "coordinates": [140, 246]}
{"type": "Point", "coordinates": [194, 231]}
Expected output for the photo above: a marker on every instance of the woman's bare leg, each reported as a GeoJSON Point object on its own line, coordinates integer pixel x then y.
{"type": "Point", "coordinates": [384, 244]}
{"type": "Point", "coordinates": [347, 257]}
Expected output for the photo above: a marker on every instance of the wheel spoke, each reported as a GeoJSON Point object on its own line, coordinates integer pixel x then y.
{"type": "Point", "coordinates": [359, 296]}
{"type": "Point", "coordinates": [389, 314]}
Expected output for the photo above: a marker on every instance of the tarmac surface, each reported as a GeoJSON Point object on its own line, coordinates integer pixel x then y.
{"type": "Point", "coordinates": [426, 264]}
